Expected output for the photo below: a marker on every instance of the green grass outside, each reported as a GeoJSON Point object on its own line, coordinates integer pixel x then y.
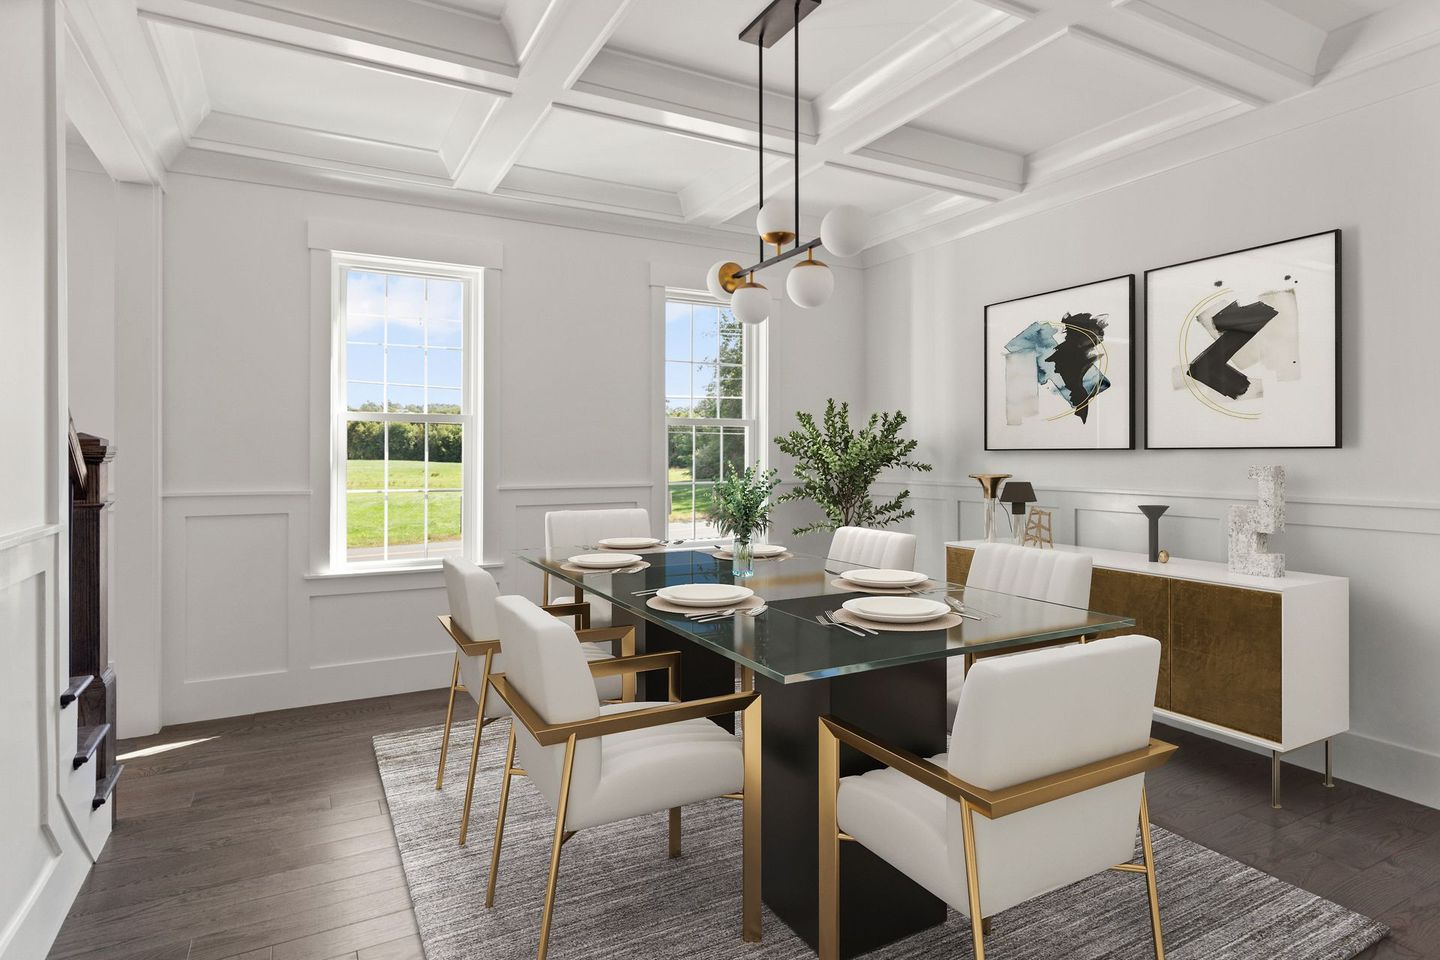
{"type": "Point", "coordinates": [365, 512]}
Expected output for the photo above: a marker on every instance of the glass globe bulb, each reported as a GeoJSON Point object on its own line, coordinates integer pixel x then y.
{"type": "Point", "coordinates": [843, 230]}
{"type": "Point", "coordinates": [810, 283]}
{"type": "Point", "coordinates": [751, 302]}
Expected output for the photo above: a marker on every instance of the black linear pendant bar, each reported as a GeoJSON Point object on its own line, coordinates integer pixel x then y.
{"type": "Point", "coordinates": [777, 20]}
{"type": "Point", "coordinates": [794, 251]}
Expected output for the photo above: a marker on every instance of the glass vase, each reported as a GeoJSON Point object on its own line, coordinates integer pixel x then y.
{"type": "Point", "coordinates": [742, 558]}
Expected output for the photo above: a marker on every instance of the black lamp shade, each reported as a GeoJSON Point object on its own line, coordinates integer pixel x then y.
{"type": "Point", "coordinates": [1017, 493]}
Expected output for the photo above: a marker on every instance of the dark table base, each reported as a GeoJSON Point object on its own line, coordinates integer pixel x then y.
{"type": "Point", "coordinates": [904, 706]}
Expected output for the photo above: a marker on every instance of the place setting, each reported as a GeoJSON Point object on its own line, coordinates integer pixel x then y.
{"type": "Point", "coordinates": [884, 581]}
{"type": "Point", "coordinates": [633, 544]}
{"type": "Point", "coordinates": [874, 614]}
{"type": "Point", "coordinates": [608, 562]}
{"type": "Point", "coordinates": [706, 602]}
{"type": "Point", "coordinates": [759, 551]}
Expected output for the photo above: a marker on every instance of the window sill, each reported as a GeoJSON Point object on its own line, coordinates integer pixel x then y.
{"type": "Point", "coordinates": [430, 568]}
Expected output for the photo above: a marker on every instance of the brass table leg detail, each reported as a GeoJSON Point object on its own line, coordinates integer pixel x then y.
{"type": "Point", "coordinates": [751, 726]}
{"type": "Point", "coordinates": [506, 774]}
{"type": "Point", "coordinates": [475, 745]}
{"type": "Point", "coordinates": [829, 837]}
{"type": "Point", "coordinates": [1275, 779]}
{"type": "Point", "coordinates": [1154, 893]}
{"type": "Point", "coordinates": [985, 926]}
{"type": "Point", "coordinates": [627, 680]}
{"type": "Point", "coordinates": [555, 845]}
{"type": "Point", "coordinates": [449, 715]}
{"type": "Point", "coordinates": [673, 847]}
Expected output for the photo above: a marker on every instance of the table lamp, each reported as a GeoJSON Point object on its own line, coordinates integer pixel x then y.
{"type": "Point", "coordinates": [1019, 494]}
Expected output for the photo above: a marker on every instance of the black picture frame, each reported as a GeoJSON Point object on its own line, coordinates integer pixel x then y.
{"type": "Point", "coordinates": [1130, 328]}
{"type": "Point", "coordinates": [1150, 346]}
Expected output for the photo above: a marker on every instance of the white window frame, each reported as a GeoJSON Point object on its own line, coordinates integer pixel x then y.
{"type": "Point", "coordinates": [754, 418]}
{"type": "Point", "coordinates": [471, 418]}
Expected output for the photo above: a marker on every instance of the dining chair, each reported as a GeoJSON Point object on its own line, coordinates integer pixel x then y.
{"type": "Point", "coordinates": [596, 763]}
{"type": "Point", "coordinates": [1049, 751]}
{"type": "Point", "coordinates": [1052, 575]}
{"type": "Point", "coordinates": [585, 528]}
{"type": "Point", "coordinates": [889, 549]}
{"type": "Point", "coordinates": [472, 593]}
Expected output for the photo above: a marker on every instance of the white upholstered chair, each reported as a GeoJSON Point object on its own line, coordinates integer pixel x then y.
{"type": "Point", "coordinates": [581, 528]}
{"type": "Point", "coordinates": [1043, 786]}
{"type": "Point", "coordinates": [888, 549]}
{"type": "Point", "coordinates": [1053, 575]}
{"type": "Point", "coordinates": [596, 764]}
{"type": "Point", "coordinates": [472, 593]}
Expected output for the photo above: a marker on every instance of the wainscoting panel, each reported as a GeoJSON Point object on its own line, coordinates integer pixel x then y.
{"type": "Point", "coordinates": [1386, 549]}
{"type": "Point", "coordinates": [371, 627]}
{"type": "Point", "coordinates": [236, 592]}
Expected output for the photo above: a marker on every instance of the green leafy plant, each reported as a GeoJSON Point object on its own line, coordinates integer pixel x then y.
{"type": "Point", "coordinates": [835, 467]}
{"type": "Point", "coordinates": [741, 504]}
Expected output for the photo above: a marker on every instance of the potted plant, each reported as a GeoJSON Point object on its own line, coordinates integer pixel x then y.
{"type": "Point", "coordinates": [740, 509]}
{"type": "Point", "coordinates": [835, 466]}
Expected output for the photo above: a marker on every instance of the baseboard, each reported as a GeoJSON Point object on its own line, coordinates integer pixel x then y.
{"type": "Point", "coordinates": [40, 920]}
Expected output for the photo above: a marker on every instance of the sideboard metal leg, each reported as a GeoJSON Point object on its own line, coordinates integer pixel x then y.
{"type": "Point", "coordinates": [1329, 778]}
{"type": "Point", "coordinates": [1275, 779]}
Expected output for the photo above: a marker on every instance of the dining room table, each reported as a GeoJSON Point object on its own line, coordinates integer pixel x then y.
{"type": "Point", "coordinates": [887, 679]}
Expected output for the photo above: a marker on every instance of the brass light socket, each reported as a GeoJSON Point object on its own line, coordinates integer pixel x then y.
{"type": "Point", "coordinates": [730, 278]}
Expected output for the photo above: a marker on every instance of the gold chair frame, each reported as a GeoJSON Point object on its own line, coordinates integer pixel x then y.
{"type": "Point", "coordinates": [991, 804]}
{"type": "Point", "coordinates": [465, 646]}
{"type": "Point", "coordinates": [747, 703]}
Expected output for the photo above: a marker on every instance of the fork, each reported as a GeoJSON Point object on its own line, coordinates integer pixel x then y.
{"type": "Point", "coordinates": [858, 626]}
{"type": "Point", "coordinates": [824, 620]}
{"type": "Point", "coordinates": [959, 609]}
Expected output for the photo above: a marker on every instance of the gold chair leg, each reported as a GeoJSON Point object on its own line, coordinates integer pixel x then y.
{"type": "Point", "coordinates": [627, 680]}
{"type": "Point", "coordinates": [972, 879]}
{"type": "Point", "coordinates": [829, 767]}
{"type": "Point", "coordinates": [555, 845]}
{"type": "Point", "coordinates": [449, 716]}
{"type": "Point", "coordinates": [475, 746]}
{"type": "Point", "coordinates": [751, 728]}
{"type": "Point", "coordinates": [506, 774]}
{"type": "Point", "coordinates": [674, 842]}
{"type": "Point", "coordinates": [1150, 876]}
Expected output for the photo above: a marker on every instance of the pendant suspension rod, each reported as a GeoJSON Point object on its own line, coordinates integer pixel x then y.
{"type": "Point", "coordinates": [760, 129]}
{"type": "Point", "coordinates": [797, 124]}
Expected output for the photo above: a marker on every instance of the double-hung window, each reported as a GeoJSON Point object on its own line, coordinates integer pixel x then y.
{"type": "Point", "coordinates": [711, 408]}
{"type": "Point", "coordinates": [405, 430]}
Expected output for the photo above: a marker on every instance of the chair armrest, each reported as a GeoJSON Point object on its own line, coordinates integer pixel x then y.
{"type": "Point", "coordinates": [549, 734]}
{"type": "Point", "coordinates": [570, 608]}
{"type": "Point", "coordinates": [603, 634]}
{"type": "Point", "coordinates": [995, 804]}
{"type": "Point", "coordinates": [668, 660]}
{"type": "Point", "coordinates": [469, 647]}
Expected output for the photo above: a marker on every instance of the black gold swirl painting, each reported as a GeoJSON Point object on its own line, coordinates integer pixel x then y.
{"type": "Point", "coordinates": [1242, 350]}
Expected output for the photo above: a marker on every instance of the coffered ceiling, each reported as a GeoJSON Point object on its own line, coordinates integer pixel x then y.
{"type": "Point", "coordinates": [920, 111]}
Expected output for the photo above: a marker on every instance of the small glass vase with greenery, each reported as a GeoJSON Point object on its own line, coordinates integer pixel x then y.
{"type": "Point", "coordinates": [835, 466]}
{"type": "Point", "coordinates": [740, 509]}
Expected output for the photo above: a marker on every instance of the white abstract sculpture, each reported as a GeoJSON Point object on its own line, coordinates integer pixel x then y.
{"type": "Point", "coordinates": [1250, 527]}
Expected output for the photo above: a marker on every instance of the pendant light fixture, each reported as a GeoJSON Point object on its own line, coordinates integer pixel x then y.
{"type": "Point", "coordinates": [842, 232]}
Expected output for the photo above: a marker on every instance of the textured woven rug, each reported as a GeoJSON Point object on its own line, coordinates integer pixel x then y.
{"type": "Point", "coordinates": [621, 897]}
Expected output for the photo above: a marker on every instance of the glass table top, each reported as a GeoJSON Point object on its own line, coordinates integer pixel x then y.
{"type": "Point", "coordinates": [787, 645]}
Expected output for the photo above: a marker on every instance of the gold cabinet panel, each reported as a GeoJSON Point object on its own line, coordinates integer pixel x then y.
{"type": "Point", "coordinates": [1225, 656]}
{"type": "Point", "coordinates": [1146, 600]}
{"type": "Point", "coordinates": [957, 563]}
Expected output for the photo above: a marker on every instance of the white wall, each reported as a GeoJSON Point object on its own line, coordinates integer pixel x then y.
{"type": "Point", "coordinates": [90, 261]}
{"type": "Point", "coordinates": [47, 831]}
{"type": "Point", "coordinates": [248, 625]}
{"type": "Point", "coordinates": [1369, 511]}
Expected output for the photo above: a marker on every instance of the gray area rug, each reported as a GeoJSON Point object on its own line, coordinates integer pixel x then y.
{"type": "Point", "coordinates": [620, 896]}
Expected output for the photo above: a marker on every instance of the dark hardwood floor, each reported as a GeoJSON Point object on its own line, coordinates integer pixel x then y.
{"type": "Point", "coordinates": [268, 839]}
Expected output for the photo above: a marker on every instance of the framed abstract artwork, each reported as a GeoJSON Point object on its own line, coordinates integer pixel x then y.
{"type": "Point", "coordinates": [1243, 350]}
{"type": "Point", "coordinates": [1059, 369]}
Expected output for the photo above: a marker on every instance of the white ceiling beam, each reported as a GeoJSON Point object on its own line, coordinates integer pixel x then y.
{"type": "Point", "coordinates": [1405, 28]}
{"type": "Point", "coordinates": [943, 162]}
{"type": "Point", "coordinates": [89, 109]}
{"type": "Point", "coordinates": [424, 41]}
{"type": "Point", "coordinates": [1250, 47]}
{"type": "Point", "coordinates": [569, 35]}
{"type": "Point", "coordinates": [232, 133]}
{"type": "Point", "coordinates": [548, 186]}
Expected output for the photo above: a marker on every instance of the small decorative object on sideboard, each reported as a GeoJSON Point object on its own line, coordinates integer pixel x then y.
{"type": "Point", "coordinates": [1251, 526]}
{"type": "Point", "coordinates": [1154, 511]}
{"type": "Point", "coordinates": [990, 484]}
{"type": "Point", "coordinates": [1019, 494]}
{"type": "Point", "coordinates": [1038, 529]}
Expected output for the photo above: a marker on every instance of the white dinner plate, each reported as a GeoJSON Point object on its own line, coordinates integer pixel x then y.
{"type": "Point", "coordinates": [629, 543]}
{"type": "Point", "coordinates": [605, 561]}
{"type": "Point", "coordinates": [767, 549]}
{"type": "Point", "coordinates": [884, 578]}
{"type": "Point", "coordinates": [705, 594]}
{"type": "Point", "coordinates": [896, 609]}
